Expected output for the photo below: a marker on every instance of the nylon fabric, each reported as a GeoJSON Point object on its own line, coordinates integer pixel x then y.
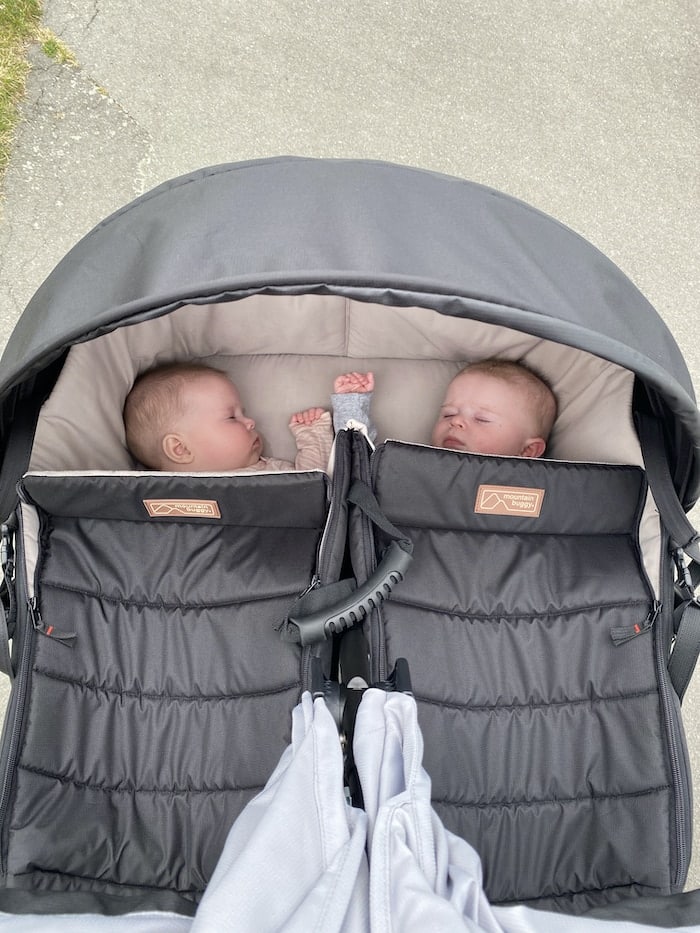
{"type": "Point", "coordinates": [420, 875]}
{"type": "Point", "coordinates": [295, 499]}
{"type": "Point", "coordinates": [584, 498]}
{"type": "Point", "coordinates": [150, 730]}
{"type": "Point", "coordinates": [529, 710]}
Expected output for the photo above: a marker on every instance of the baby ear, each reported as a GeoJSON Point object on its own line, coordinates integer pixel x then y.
{"type": "Point", "coordinates": [175, 449]}
{"type": "Point", "coordinates": [534, 447]}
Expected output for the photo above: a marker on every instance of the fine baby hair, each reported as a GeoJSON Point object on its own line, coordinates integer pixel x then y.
{"type": "Point", "coordinates": [155, 403]}
{"type": "Point", "coordinates": [496, 406]}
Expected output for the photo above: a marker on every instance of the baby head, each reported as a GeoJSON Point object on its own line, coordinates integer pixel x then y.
{"type": "Point", "coordinates": [496, 407]}
{"type": "Point", "coordinates": [187, 417]}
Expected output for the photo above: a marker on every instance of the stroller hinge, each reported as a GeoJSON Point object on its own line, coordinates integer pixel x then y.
{"type": "Point", "coordinates": [684, 579]}
{"type": "Point", "coordinates": [624, 633]}
{"type": "Point", "coordinates": [6, 551]}
{"type": "Point", "coordinates": [336, 694]}
{"type": "Point", "coordinates": [7, 576]}
{"type": "Point", "coordinates": [343, 701]}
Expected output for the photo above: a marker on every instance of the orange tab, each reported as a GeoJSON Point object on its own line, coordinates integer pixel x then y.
{"type": "Point", "coordinates": [509, 500]}
{"type": "Point", "coordinates": [182, 508]}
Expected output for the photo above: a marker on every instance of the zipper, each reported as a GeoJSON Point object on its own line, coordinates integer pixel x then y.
{"type": "Point", "coordinates": [363, 460]}
{"type": "Point", "coordinates": [682, 809]}
{"type": "Point", "coordinates": [318, 578]}
{"type": "Point", "coordinates": [674, 740]}
{"type": "Point", "coordinates": [315, 583]}
{"type": "Point", "coordinates": [12, 751]}
{"type": "Point", "coordinates": [34, 612]}
{"type": "Point", "coordinates": [624, 633]}
{"type": "Point", "coordinates": [675, 744]}
{"type": "Point", "coordinates": [19, 698]}
{"type": "Point", "coordinates": [45, 628]}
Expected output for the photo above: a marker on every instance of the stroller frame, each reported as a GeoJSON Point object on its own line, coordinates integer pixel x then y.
{"type": "Point", "coordinates": [472, 273]}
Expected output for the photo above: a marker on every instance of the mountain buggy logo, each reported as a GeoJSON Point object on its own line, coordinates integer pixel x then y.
{"type": "Point", "coordinates": [182, 508]}
{"type": "Point", "coordinates": [509, 500]}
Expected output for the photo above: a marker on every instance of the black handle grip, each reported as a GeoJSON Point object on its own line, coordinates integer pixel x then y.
{"type": "Point", "coordinates": [334, 619]}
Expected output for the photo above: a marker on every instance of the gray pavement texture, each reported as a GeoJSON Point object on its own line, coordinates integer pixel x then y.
{"type": "Point", "coordinates": [587, 109]}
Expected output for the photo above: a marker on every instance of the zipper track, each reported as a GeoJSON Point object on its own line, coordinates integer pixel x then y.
{"type": "Point", "coordinates": [319, 576]}
{"type": "Point", "coordinates": [21, 689]}
{"type": "Point", "coordinates": [682, 810]}
{"type": "Point", "coordinates": [681, 797]}
{"type": "Point", "coordinates": [374, 620]}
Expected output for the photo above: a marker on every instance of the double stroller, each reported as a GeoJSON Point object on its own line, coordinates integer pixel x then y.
{"type": "Point", "coordinates": [160, 629]}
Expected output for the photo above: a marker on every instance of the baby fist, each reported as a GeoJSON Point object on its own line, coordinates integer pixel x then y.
{"type": "Point", "coordinates": [307, 417]}
{"type": "Point", "coordinates": [354, 382]}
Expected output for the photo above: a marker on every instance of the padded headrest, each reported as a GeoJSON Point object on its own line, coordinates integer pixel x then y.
{"type": "Point", "coordinates": [283, 352]}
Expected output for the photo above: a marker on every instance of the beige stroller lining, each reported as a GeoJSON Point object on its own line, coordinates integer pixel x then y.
{"type": "Point", "coordinates": [283, 352]}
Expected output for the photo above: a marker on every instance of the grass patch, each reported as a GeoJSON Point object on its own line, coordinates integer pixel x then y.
{"type": "Point", "coordinates": [20, 24]}
{"type": "Point", "coordinates": [52, 47]}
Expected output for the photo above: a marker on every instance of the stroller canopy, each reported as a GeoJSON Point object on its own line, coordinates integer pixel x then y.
{"type": "Point", "coordinates": [371, 231]}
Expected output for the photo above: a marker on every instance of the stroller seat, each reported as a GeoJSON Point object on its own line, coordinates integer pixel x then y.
{"type": "Point", "coordinates": [526, 622]}
{"type": "Point", "coordinates": [544, 607]}
{"type": "Point", "coordinates": [161, 693]}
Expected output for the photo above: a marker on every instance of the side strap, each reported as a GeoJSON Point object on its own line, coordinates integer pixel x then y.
{"type": "Point", "coordinates": [686, 645]}
{"type": "Point", "coordinates": [5, 658]}
{"type": "Point", "coordinates": [20, 432]}
{"type": "Point", "coordinates": [17, 453]}
{"type": "Point", "coordinates": [362, 496]}
{"type": "Point", "coordinates": [8, 609]}
{"type": "Point", "coordinates": [679, 527]}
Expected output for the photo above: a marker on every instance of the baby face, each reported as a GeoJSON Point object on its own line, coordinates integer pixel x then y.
{"type": "Point", "coordinates": [219, 436]}
{"type": "Point", "coordinates": [483, 414]}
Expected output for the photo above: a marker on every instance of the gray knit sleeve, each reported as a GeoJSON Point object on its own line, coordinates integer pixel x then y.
{"type": "Point", "coordinates": [352, 406]}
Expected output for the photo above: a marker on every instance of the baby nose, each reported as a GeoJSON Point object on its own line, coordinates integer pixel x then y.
{"type": "Point", "coordinates": [249, 423]}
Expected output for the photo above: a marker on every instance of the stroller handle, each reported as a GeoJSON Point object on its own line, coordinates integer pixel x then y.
{"type": "Point", "coordinates": [332, 620]}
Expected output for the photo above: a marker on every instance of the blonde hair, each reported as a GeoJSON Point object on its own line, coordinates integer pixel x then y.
{"type": "Point", "coordinates": [154, 404]}
{"type": "Point", "coordinates": [538, 391]}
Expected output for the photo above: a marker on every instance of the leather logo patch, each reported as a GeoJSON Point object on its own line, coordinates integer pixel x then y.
{"type": "Point", "coordinates": [509, 500]}
{"type": "Point", "coordinates": [182, 508]}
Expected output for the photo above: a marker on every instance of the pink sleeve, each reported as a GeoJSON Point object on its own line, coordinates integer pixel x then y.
{"type": "Point", "coordinates": [314, 442]}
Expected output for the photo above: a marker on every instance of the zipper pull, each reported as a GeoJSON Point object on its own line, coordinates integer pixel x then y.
{"type": "Point", "coordinates": [41, 626]}
{"type": "Point", "coordinates": [315, 583]}
{"type": "Point", "coordinates": [289, 632]}
{"type": "Point", "coordinates": [624, 633]}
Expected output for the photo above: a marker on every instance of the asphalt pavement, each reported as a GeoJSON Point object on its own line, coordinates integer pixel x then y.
{"type": "Point", "coordinates": [586, 109]}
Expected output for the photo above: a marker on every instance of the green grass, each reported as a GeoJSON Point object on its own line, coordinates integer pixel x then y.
{"type": "Point", "coordinates": [52, 47]}
{"type": "Point", "coordinates": [20, 25]}
{"type": "Point", "coordinates": [19, 22]}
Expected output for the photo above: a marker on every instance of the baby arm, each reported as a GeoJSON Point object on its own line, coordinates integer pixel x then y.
{"type": "Point", "coordinates": [314, 437]}
{"type": "Point", "coordinates": [351, 401]}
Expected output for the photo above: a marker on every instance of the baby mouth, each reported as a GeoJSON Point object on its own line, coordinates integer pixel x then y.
{"type": "Point", "coordinates": [452, 442]}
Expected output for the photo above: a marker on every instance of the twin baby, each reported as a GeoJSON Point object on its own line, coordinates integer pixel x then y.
{"type": "Point", "coordinates": [189, 417]}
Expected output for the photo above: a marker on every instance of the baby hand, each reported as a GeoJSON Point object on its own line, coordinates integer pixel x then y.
{"type": "Point", "coordinates": [309, 416]}
{"type": "Point", "coordinates": [354, 382]}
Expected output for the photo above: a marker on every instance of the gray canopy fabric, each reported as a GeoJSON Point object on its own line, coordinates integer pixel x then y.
{"type": "Point", "coordinates": [372, 231]}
